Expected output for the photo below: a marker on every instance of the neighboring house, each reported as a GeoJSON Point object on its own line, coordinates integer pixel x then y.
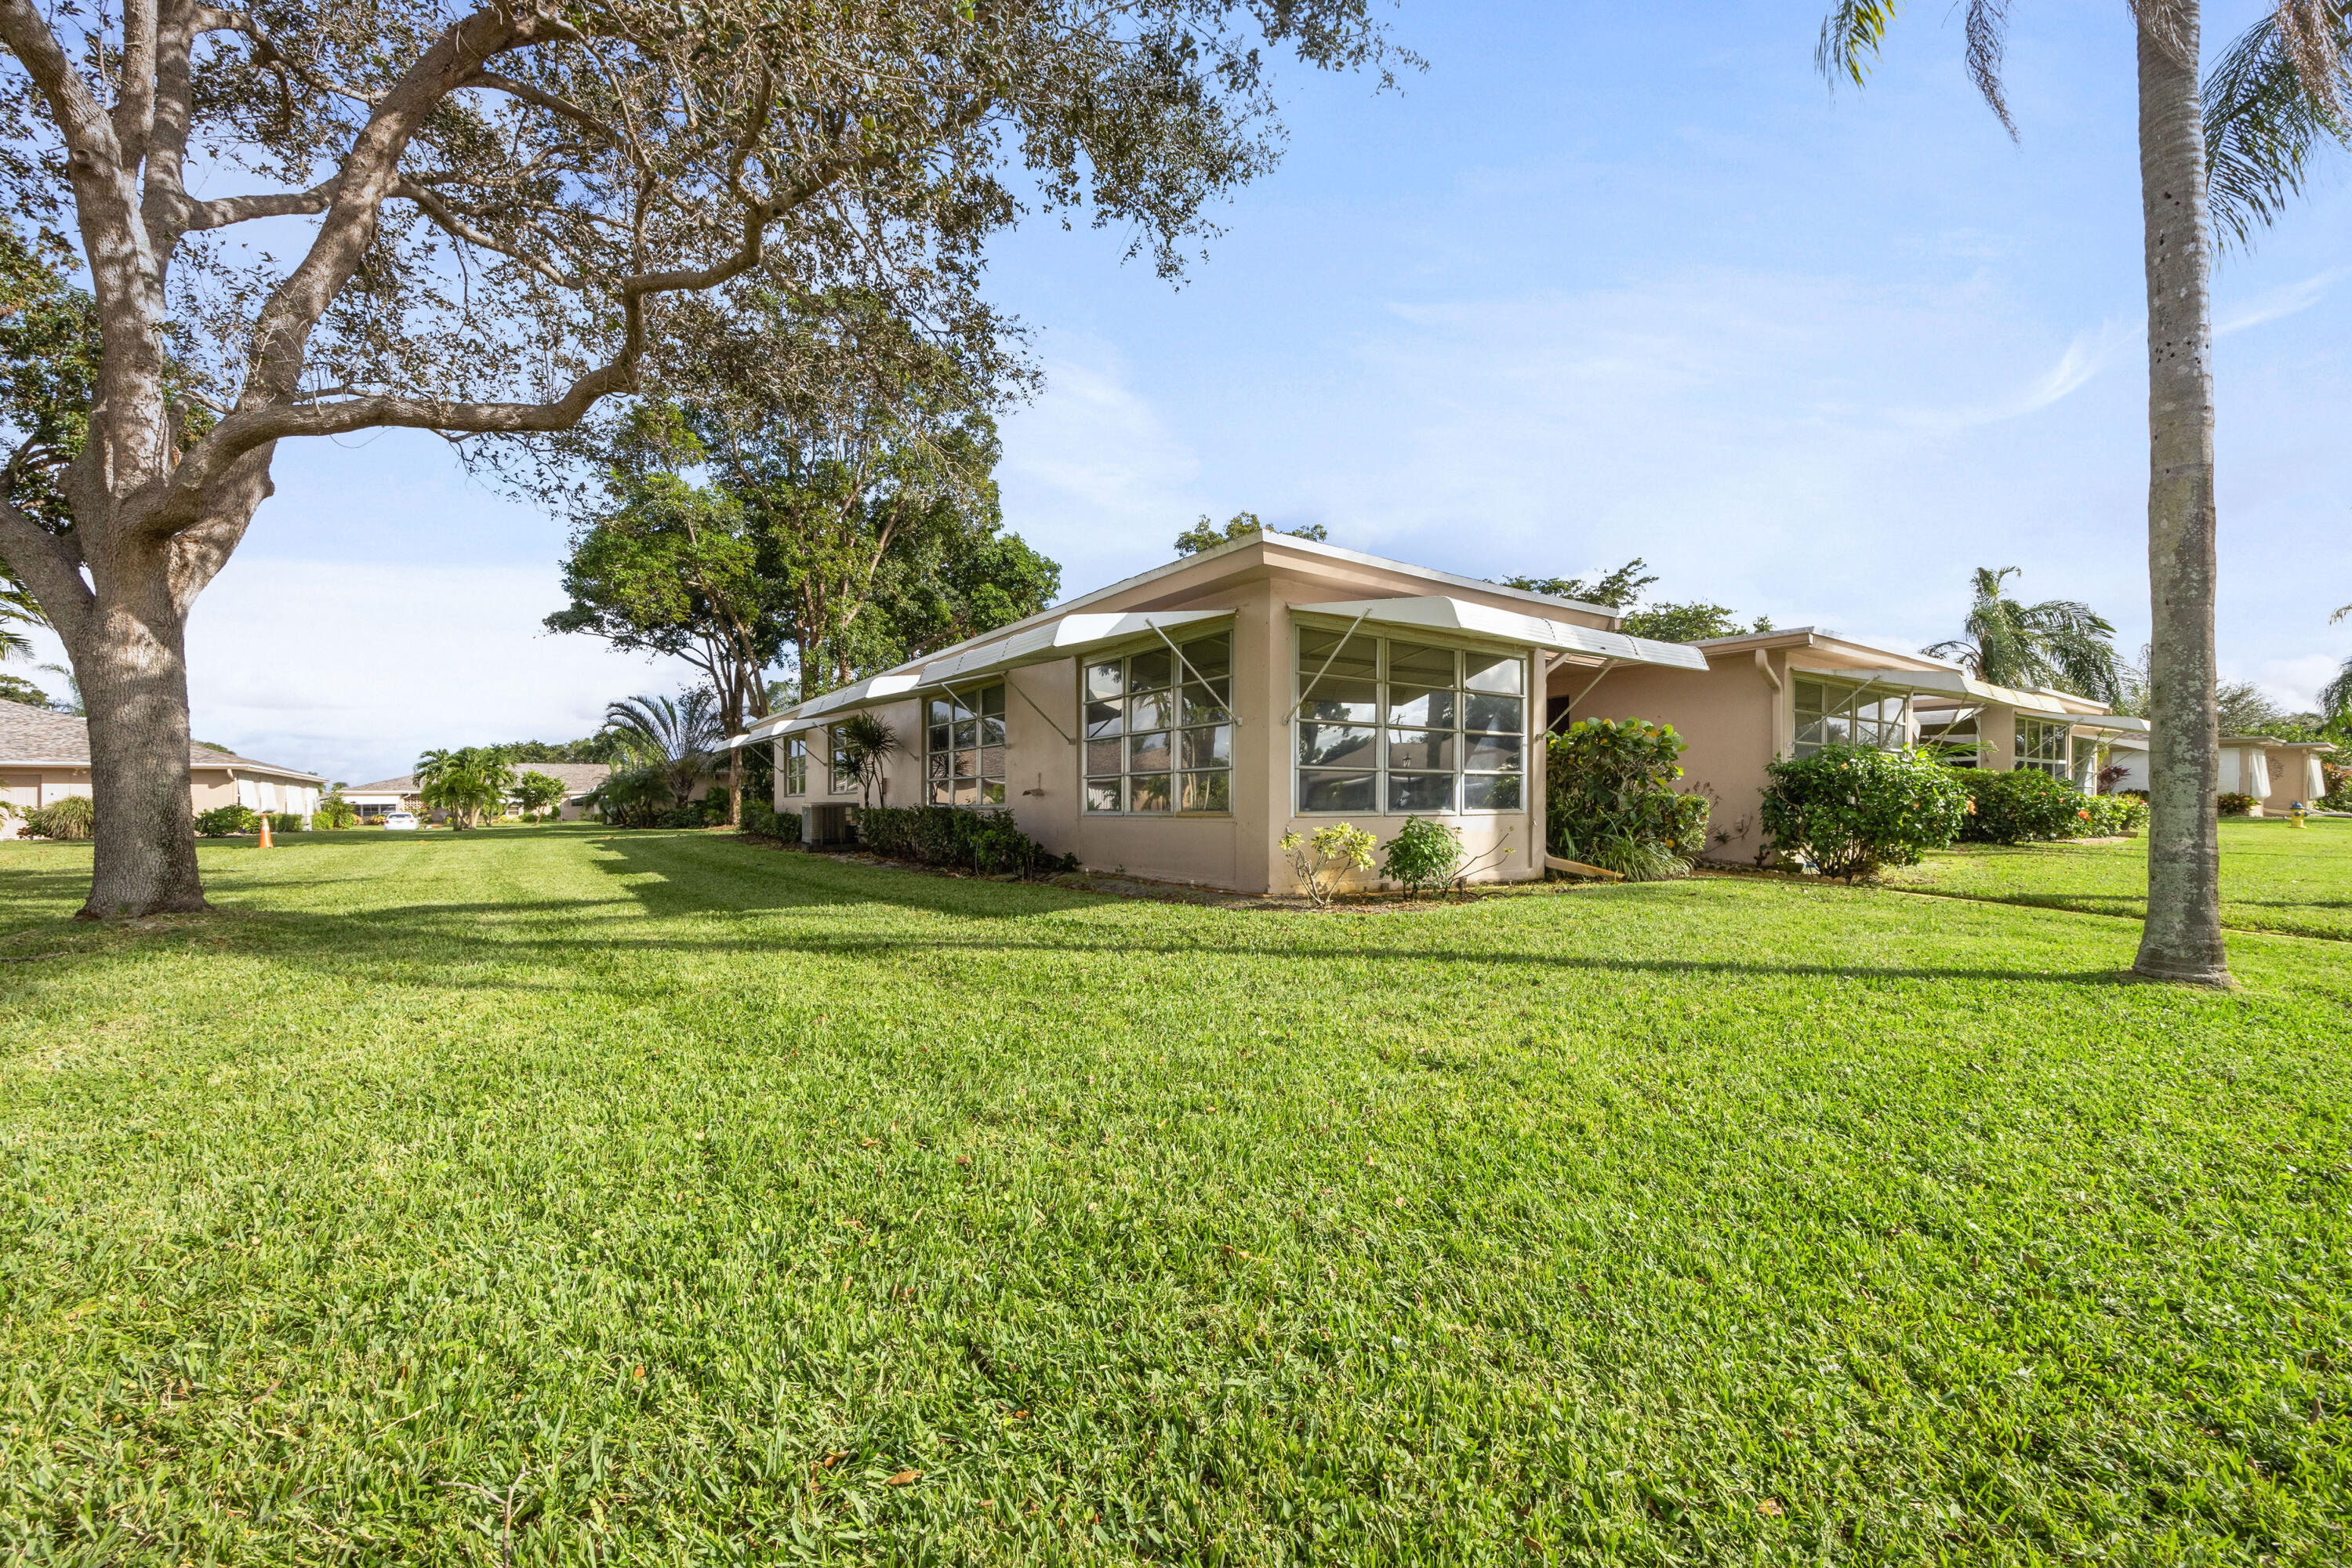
{"type": "Point", "coordinates": [1178, 724]}
{"type": "Point", "coordinates": [376, 801]}
{"type": "Point", "coordinates": [45, 756]}
{"type": "Point", "coordinates": [1769, 695]}
{"type": "Point", "coordinates": [2277, 773]}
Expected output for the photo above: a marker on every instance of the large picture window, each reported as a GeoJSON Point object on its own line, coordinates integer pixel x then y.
{"type": "Point", "coordinates": [845, 771]}
{"type": "Point", "coordinates": [1160, 728]}
{"type": "Point", "coordinates": [963, 747]}
{"type": "Point", "coordinates": [1828, 714]}
{"type": "Point", "coordinates": [1396, 727]}
{"type": "Point", "coordinates": [2045, 746]}
{"type": "Point", "coordinates": [796, 765]}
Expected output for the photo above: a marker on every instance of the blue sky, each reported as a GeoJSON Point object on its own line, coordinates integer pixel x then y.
{"type": "Point", "coordinates": [1605, 281]}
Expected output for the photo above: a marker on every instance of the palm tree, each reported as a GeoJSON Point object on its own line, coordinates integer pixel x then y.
{"type": "Point", "coordinates": [2335, 697]}
{"type": "Point", "coordinates": [2181, 939]}
{"type": "Point", "coordinates": [869, 744]}
{"type": "Point", "coordinates": [2059, 642]}
{"type": "Point", "coordinates": [467, 782]}
{"type": "Point", "coordinates": [675, 733]}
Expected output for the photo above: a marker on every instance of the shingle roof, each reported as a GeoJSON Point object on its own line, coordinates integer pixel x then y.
{"type": "Point", "coordinates": [29, 735]}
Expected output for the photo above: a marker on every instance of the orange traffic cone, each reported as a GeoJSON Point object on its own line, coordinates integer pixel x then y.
{"type": "Point", "coordinates": [265, 830]}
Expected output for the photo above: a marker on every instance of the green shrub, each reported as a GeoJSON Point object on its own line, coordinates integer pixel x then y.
{"type": "Point", "coordinates": [767, 822]}
{"type": "Point", "coordinates": [1323, 861]}
{"type": "Point", "coordinates": [285, 822]}
{"type": "Point", "coordinates": [2012, 808]}
{"type": "Point", "coordinates": [72, 817]}
{"type": "Point", "coordinates": [1607, 788]}
{"type": "Point", "coordinates": [1423, 854]}
{"type": "Point", "coordinates": [334, 811]}
{"type": "Point", "coordinates": [2114, 814]}
{"type": "Point", "coordinates": [2235, 805]}
{"type": "Point", "coordinates": [223, 820]}
{"type": "Point", "coordinates": [989, 842]}
{"type": "Point", "coordinates": [1852, 810]}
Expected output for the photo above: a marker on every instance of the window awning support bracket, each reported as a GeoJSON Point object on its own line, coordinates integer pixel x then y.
{"type": "Point", "coordinates": [1606, 666]}
{"type": "Point", "coordinates": [1186, 666]}
{"type": "Point", "coordinates": [1300, 706]}
{"type": "Point", "coordinates": [1067, 738]}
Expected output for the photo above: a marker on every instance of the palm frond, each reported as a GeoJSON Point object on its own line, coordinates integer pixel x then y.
{"type": "Point", "coordinates": [1852, 36]}
{"type": "Point", "coordinates": [2276, 95]}
{"type": "Point", "coordinates": [1988, 36]}
{"type": "Point", "coordinates": [2335, 697]}
{"type": "Point", "coordinates": [2339, 614]}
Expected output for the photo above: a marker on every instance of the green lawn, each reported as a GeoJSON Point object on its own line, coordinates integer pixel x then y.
{"type": "Point", "coordinates": [2274, 877]}
{"type": "Point", "coordinates": [562, 1195]}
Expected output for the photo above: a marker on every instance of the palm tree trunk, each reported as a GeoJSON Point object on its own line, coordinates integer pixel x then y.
{"type": "Point", "coordinates": [2182, 938]}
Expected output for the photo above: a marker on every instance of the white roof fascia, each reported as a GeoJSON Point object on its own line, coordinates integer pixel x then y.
{"type": "Point", "coordinates": [1060, 638]}
{"type": "Point", "coordinates": [1440, 613]}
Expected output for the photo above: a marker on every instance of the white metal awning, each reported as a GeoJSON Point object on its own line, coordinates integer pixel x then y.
{"type": "Point", "coordinates": [1966, 688]}
{"type": "Point", "coordinates": [1440, 613]}
{"type": "Point", "coordinates": [1060, 638]}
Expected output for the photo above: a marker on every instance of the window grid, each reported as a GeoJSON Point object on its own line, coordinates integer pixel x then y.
{"type": "Point", "coordinates": [1388, 727]}
{"type": "Point", "coordinates": [1159, 730]}
{"type": "Point", "coordinates": [963, 747]}
{"type": "Point", "coordinates": [795, 765]}
{"type": "Point", "coordinates": [845, 771]}
{"type": "Point", "coordinates": [1828, 714]}
{"type": "Point", "coordinates": [2045, 746]}
{"type": "Point", "coordinates": [1942, 728]}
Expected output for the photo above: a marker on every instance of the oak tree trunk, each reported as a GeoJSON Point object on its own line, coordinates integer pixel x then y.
{"type": "Point", "coordinates": [131, 659]}
{"type": "Point", "coordinates": [2182, 938]}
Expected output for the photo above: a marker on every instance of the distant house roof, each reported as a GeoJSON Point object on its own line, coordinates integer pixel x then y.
{"type": "Point", "coordinates": [577, 779]}
{"type": "Point", "coordinates": [31, 737]}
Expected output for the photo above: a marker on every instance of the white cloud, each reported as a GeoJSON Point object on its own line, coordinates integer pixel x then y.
{"type": "Point", "coordinates": [2295, 683]}
{"type": "Point", "coordinates": [2286, 299]}
{"type": "Point", "coordinates": [350, 669]}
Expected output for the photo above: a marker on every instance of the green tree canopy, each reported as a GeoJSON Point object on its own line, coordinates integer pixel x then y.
{"type": "Point", "coordinates": [1622, 591]}
{"type": "Point", "coordinates": [1206, 535]}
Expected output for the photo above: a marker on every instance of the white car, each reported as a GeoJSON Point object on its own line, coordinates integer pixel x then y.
{"type": "Point", "coordinates": [400, 822]}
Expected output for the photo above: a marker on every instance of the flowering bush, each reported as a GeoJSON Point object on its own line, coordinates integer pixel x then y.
{"type": "Point", "coordinates": [2012, 808]}
{"type": "Point", "coordinates": [1323, 862]}
{"type": "Point", "coordinates": [1853, 810]}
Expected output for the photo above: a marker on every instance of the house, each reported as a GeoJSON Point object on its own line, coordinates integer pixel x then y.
{"type": "Point", "coordinates": [1768, 695]}
{"type": "Point", "coordinates": [2277, 773]}
{"type": "Point", "coordinates": [376, 801]}
{"type": "Point", "coordinates": [45, 756]}
{"type": "Point", "coordinates": [1177, 724]}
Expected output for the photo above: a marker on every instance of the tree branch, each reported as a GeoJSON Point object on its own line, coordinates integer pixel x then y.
{"type": "Point", "coordinates": [223, 211]}
{"type": "Point", "coordinates": [491, 82]}
{"type": "Point", "coordinates": [440, 211]}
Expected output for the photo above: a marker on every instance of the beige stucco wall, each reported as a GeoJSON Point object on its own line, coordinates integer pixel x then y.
{"type": "Point", "coordinates": [28, 788]}
{"type": "Point", "coordinates": [1732, 719]}
{"type": "Point", "coordinates": [2295, 776]}
{"type": "Point", "coordinates": [1239, 851]}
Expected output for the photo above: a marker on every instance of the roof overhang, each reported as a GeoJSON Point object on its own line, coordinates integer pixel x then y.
{"type": "Point", "coordinates": [1963, 687]}
{"type": "Point", "coordinates": [1439, 613]}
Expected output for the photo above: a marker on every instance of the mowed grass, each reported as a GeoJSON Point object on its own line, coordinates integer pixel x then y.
{"type": "Point", "coordinates": [559, 1195]}
{"type": "Point", "coordinates": [2274, 877]}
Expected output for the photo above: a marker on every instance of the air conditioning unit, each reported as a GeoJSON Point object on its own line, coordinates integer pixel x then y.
{"type": "Point", "coordinates": [826, 825]}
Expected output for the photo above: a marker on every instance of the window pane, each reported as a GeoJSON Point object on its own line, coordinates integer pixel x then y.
{"type": "Point", "coordinates": [1153, 710]}
{"type": "Point", "coordinates": [1810, 697]}
{"type": "Point", "coordinates": [1489, 672]}
{"type": "Point", "coordinates": [1343, 701]}
{"type": "Point", "coordinates": [967, 733]}
{"type": "Point", "coordinates": [937, 709]}
{"type": "Point", "coordinates": [1490, 792]}
{"type": "Point", "coordinates": [1105, 681]}
{"type": "Point", "coordinates": [1208, 792]}
{"type": "Point", "coordinates": [1809, 734]}
{"type": "Point", "coordinates": [1211, 657]}
{"type": "Point", "coordinates": [1328, 744]}
{"type": "Point", "coordinates": [1423, 707]}
{"type": "Point", "coordinates": [1149, 753]}
{"type": "Point", "coordinates": [966, 791]}
{"type": "Point", "coordinates": [1102, 794]}
{"type": "Point", "coordinates": [1417, 664]}
{"type": "Point", "coordinates": [991, 732]}
{"type": "Point", "coordinates": [1150, 669]}
{"type": "Point", "coordinates": [1359, 661]}
{"type": "Point", "coordinates": [1148, 792]}
{"type": "Point", "coordinates": [967, 765]}
{"type": "Point", "coordinates": [1103, 757]}
{"type": "Point", "coordinates": [1335, 792]}
{"type": "Point", "coordinates": [1420, 792]}
{"type": "Point", "coordinates": [1491, 713]}
{"type": "Point", "coordinates": [1491, 754]}
{"type": "Point", "coordinates": [992, 792]}
{"type": "Point", "coordinates": [1421, 750]}
{"type": "Point", "coordinates": [1209, 748]}
{"type": "Point", "coordinates": [991, 701]}
{"type": "Point", "coordinates": [991, 761]}
{"type": "Point", "coordinates": [1836, 731]}
{"type": "Point", "coordinates": [936, 741]}
{"type": "Point", "coordinates": [1103, 718]}
{"type": "Point", "coordinates": [1213, 700]}
{"type": "Point", "coordinates": [935, 765]}
{"type": "Point", "coordinates": [939, 791]}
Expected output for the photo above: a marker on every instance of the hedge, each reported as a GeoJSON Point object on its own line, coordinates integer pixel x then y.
{"type": "Point", "coordinates": [985, 841]}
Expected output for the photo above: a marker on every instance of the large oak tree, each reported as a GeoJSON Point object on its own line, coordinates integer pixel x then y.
{"type": "Point", "coordinates": [482, 220]}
